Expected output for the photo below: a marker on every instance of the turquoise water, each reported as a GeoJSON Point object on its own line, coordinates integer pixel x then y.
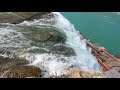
{"type": "Point", "coordinates": [102, 28]}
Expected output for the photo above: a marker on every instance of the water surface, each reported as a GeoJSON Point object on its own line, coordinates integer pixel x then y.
{"type": "Point", "coordinates": [102, 28]}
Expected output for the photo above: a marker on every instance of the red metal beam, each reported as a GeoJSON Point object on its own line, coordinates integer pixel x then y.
{"type": "Point", "coordinates": [93, 46]}
{"type": "Point", "coordinates": [104, 65]}
{"type": "Point", "coordinates": [103, 50]}
{"type": "Point", "coordinates": [96, 50]}
{"type": "Point", "coordinates": [113, 57]}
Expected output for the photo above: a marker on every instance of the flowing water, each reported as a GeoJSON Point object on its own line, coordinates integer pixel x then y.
{"type": "Point", "coordinates": [17, 39]}
{"type": "Point", "coordinates": [102, 28]}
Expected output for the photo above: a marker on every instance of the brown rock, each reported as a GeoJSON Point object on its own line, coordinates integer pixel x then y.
{"type": "Point", "coordinates": [77, 73]}
{"type": "Point", "coordinates": [92, 74]}
{"type": "Point", "coordinates": [21, 72]}
{"type": "Point", "coordinates": [85, 74]}
{"type": "Point", "coordinates": [18, 17]}
{"type": "Point", "coordinates": [74, 75]}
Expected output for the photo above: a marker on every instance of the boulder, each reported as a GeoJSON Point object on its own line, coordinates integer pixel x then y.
{"type": "Point", "coordinates": [75, 72]}
{"type": "Point", "coordinates": [112, 74]}
{"type": "Point", "coordinates": [8, 57]}
{"type": "Point", "coordinates": [18, 17]}
{"type": "Point", "coordinates": [43, 34]}
{"type": "Point", "coordinates": [21, 72]}
{"type": "Point", "coordinates": [62, 49]}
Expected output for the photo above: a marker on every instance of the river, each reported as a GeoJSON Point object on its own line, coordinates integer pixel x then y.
{"type": "Point", "coordinates": [41, 43]}
{"type": "Point", "coordinates": [102, 28]}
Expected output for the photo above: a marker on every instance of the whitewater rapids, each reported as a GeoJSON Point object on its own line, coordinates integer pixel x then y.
{"type": "Point", "coordinates": [53, 64]}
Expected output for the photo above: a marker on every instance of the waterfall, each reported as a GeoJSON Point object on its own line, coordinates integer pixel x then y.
{"type": "Point", "coordinates": [49, 63]}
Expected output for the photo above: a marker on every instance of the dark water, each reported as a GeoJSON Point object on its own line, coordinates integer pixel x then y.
{"type": "Point", "coordinates": [102, 28]}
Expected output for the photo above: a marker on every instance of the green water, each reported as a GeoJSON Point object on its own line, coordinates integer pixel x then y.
{"type": "Point", "coordinates": [102, 28]}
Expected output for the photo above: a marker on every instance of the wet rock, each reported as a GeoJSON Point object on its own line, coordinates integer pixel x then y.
{"type": "Point", "coordinates": [113, 63]}
{"type": "Point", "coordinates": [43, 35]}
{"type": "Point", "coordinates": [74, 75]}
{"type": "Point", "coordinates": [8, 17]}
{"type": "Point", "coordinates": [13, 61]}
{"type": "Point", "coordinates": [112, 74]}
{"type": "Point", "coordinates": [67, 51]}
{"type": "Point", "coordinates": [21, 72]}
{"type": "Point", "coordinates": [75, 72]}
{"type": "Point", "coordinates": [18, 17]}
{"type": "Point", "coordinates": [50, 47]}
{"type": "Point", "coordinates": [8, 57]}
{"type": "Point", "coordinates": [45, 15]}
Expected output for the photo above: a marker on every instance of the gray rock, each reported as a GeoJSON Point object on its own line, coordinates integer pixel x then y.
{"type": "Point", "coordinates": [67, 51]}
{"type": "Point", "coordinates": [8, 57]}
{"type": "Point", "coordinates": [43, 34]}
{"type": "Point", "coordinates": [112, 74]}
{"type": "Point", "coordinates": [18, 17]}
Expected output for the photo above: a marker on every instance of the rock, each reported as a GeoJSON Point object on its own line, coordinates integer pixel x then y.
{"type": "Point", "coordinates": [7, 17]}
{"type": "Point", "coordinates": [113, 63]}
{"type": "Point", "coordinates": [18, 17]}
{"type": "Point", "coordinates": [51, 47]}
{"type": "Point", "coordinates": [8, 57]}
{"type": "Point", "coordinates": [43, 34]}
{"type": "Point", "coordinates": [116, 68]}
{"type": "Point", "coordinates": [45, 15]}
{"type": "Point", "coordinates": [21, 72]}
{"type": "Point", "coordinates": [74, 75]}
{"type": "Point", "coordinates": [75, 72]}
{"type": "Point", "coordinates": [64, 50]}
{"type": "Point", "coordinates": [13, 61]}
{"type": "Point", "coordinates": [85, 74]}
{"type": "Point", "coordinates": [112, 74]}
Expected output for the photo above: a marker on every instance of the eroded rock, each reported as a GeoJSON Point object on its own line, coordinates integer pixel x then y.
{"type": "Point", "coordinates": [20, 72]}
{"type": "Point", "coordinates": [18, 17]}
{"type": "Point", "coordinates": [75, 72]}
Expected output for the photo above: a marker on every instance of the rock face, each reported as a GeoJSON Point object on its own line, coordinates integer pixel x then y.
{"type": "Point", "coordinates": [8, 57]}
{"type": "Point", "coordinates": [77, 73]}
{"type": "Point", "coordinates": [67, 51]}
{"type": "Point", "coordinates": [112, 74]}
{"type": "Point", "coordinates": [21, 72]}
{"type": "Point", "coordinates": [47, 37]}
{"type": "Point", "coordinates": [13, 68]}
{"type": "Point", "coordinates": [18, 17]}
{"type": "Point", "coordinates": [43, 34]}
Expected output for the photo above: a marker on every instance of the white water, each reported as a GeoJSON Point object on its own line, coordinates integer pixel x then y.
{"type": "Point", "coordinates": [84, 56]}
{"type": "Point", "coordinates": [54, 64]}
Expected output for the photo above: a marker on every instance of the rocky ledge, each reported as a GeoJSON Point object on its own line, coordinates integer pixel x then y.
{"type": "Point", "coordinates": [15, 67]}
{"type": "Point", "coordinates": [18, 17]}
{"type": "Point", "coordinates": [20, 72]}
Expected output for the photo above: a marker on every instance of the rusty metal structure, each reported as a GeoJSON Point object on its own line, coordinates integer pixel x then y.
{"type": "Point", "coordinates": [98, 51]}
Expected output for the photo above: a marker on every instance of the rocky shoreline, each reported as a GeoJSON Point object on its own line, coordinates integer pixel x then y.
{"type": "Point", "coordinates": [107, 60]}
{"type": "Point", "coordinates": [16, 67]}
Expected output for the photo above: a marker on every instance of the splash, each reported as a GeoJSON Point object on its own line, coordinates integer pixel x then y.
{"type": "Point", "coordinates": [84, 56]}
{"type": "Point", "coordinates": [51, 64]}
{"type": "Point", "coordinates": [56, 65]}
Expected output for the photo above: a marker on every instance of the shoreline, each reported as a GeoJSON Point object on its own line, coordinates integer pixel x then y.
{"type": "Point", "coordinates": [109, 62]}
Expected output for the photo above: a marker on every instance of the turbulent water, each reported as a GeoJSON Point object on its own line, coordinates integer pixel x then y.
{"type": "Point", "coordinates": [13, 38]}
